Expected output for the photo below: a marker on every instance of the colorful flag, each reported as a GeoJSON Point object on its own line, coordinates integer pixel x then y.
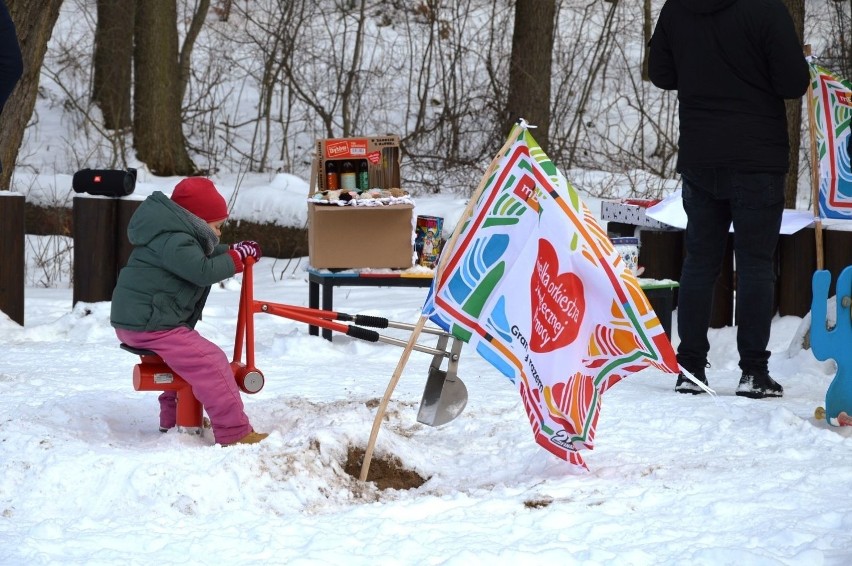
{"type": "Point", "coordinates": [832, 106]}
{"type": "Point", "coordinates": [534, 284]}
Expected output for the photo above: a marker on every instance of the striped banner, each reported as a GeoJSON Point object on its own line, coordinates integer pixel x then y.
{"type": "Point", "coordinates": [832, 104]}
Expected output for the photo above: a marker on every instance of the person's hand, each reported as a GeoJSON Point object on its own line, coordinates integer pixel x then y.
{"type": "Point", "coordinates": [247, 248]}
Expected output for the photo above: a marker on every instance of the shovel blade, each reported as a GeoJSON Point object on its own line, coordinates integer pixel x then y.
{"type": "Point", "coordinates": [444, 398]}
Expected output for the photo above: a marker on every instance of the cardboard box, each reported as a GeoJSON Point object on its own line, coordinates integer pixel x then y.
{"type": "Point", "coordinates": [356, 237]}
{"type": "Point", "coordinates": [380, 152]}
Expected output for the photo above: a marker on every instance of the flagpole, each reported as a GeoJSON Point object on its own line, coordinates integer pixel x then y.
{"type": "Point", "coordinates": [814, 169]}
{"type": "Point", "coordinates": [418, 328]}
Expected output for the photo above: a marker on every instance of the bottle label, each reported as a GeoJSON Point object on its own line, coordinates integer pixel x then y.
{"type": "Point", "coordinates": [347, 181]}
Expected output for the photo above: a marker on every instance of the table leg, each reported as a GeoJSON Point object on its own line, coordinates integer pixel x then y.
{"type": "Point", "coordinates": [313, 302]}
{"type": "Point", "coordinates": [327, 304]}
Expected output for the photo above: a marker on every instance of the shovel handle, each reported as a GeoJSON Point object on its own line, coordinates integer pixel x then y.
{"type": "Point", "coordinates": [359, 319]}
{"type": "Point", "coordinates": [309, 316]}
{"type": "Point", "coordinates": [371, 321]}
{"type": "Point", "coordinates": [363, 334]}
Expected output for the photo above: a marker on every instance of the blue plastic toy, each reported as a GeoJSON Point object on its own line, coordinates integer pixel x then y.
{"type": "Point", "coordinates": [835, 343]}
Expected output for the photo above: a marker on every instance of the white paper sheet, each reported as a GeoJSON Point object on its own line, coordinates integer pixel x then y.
{"type": "Point", "coordinates": [670, 211]}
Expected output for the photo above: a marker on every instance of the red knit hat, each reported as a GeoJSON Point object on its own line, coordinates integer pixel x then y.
{"type": "Point", "coordinates": [200, 197]}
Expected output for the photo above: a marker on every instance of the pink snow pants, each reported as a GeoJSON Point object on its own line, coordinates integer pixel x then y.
{"type": "Point", "coordinates": [206, 368]}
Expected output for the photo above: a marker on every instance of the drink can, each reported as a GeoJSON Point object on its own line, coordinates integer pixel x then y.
{"type": "Point", "coordinates": [628, 249]}
{"type": "Point", "coordinates": [428, 240]}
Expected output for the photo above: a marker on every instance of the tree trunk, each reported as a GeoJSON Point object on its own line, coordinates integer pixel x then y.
{"type": "Point", "coordinates": [530, 67]}
{"type": "Point", "coordinates": [157, 123]}
{"type": "Point", "coordinates": [185, 57]}
{"type": "Point", "coordinates": [113, 61]}
{"type": "Point", "coordinates": [34, 20]}
{"type": "Point", "coordinates": [794, 114]}
{"type": "Point", "coordinates": [647, 32]}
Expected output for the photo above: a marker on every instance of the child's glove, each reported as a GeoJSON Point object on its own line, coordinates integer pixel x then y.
{"type": "Point", "coordinates": [241, 250]}
{"type": "Point", "coordinates": [247, 248]}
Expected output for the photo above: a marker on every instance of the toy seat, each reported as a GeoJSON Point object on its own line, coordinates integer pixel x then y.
{"type": "Point", "coordinates": [154, 375]}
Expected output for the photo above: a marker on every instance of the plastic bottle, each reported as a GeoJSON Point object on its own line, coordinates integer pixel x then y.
{"type": "Point", "coordinates": [347, 176]}
{"type": "Point", "coordinates": [332, 181]}
{"type": "Point", "coordinates": [363, 176]}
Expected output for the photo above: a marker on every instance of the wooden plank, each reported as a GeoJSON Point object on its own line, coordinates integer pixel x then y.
{"type": "Point", "coordinates": [796, 264]}
{"type": "Point", "coordinates": [12, 255]}
{"type": "Point", "coordinates": [94, 232]}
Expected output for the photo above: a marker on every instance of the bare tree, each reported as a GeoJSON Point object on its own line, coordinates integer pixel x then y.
{"type": "Point", "coordinates": [530, 67]}
{"type": "Point", "coordinates": [157, 123]}
{"type": "Point", "coordinates": [34, 20]}
{"type": "Point", "coordinates": [647, 31]}
{"type": "Point", "coordinates": [113, 62]}
{"type": "Point", "coordinates": [185, 57]}
{"type": "Point", "coordinates": [838, 51]}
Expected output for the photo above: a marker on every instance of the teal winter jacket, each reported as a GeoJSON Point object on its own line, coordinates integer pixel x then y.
{"type": "Point", "coordinates": [168, 276]}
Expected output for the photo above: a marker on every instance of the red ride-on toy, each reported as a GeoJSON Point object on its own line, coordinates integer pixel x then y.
{"type": "Point", "coordinates": [154, 375]}
{"type": "Point", "coordinates": [444, 396]}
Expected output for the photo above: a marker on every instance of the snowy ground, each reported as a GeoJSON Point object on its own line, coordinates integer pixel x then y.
{"type": "Point", "coordinates": [86, 478]}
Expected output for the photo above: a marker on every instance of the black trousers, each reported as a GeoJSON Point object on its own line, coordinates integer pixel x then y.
{"type": "Point", "coordinates": [713, 198]}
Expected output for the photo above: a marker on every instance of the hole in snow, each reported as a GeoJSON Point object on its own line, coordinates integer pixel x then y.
{"type": "Point", "coordinates": [386, 473]}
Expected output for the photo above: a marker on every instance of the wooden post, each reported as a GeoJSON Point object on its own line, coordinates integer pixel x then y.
{"type": "Point", "coordinates": [661, 254]}
{"type": "Point", "coordinates": [797, 258]}
{"type": "Point", "coordinates": [12, 267]}
{"type": "Point", "coordinates": [94, 220]}
{"type": "Point", "coordinates": [814, 170]}
{"type": "Point", "coordinates": [126, 208]}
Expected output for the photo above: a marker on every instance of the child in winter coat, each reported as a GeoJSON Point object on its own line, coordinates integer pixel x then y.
{"type": "Point", "coordinates": [161, 292]}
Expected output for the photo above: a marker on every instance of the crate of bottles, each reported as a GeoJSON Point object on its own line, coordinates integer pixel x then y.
{"type": "Point", "coordinates": [358, 216]}
{"type": "Point", "coordinates": [356, 164]}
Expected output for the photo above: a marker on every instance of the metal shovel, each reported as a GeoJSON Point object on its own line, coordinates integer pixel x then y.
{"type": "Point", "coordinates": [445, 395]}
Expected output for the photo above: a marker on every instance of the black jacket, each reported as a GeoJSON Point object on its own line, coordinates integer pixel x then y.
{"type": "Point", "coordinates": [733, 62]}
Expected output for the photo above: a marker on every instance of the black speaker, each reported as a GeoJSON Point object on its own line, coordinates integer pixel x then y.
{"type": "Point", "coordinates": [104, 182]}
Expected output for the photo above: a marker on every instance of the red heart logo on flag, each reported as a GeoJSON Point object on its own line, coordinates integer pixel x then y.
{"type": "Point", "coordinates": [558, 302]}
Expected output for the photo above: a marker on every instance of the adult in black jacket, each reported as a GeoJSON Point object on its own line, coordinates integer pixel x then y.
{"type": "Point", "coordinates": [733, 62]}
{"type": "Point", "coordinates": [11, 64]}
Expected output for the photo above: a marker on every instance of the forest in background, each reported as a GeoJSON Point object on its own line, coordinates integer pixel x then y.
{"type": "Point", "coordinates": [260, 80]}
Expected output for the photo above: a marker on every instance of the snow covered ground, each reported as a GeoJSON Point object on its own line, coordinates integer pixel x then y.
{"type": "Point", "coordinates": [86, 478]}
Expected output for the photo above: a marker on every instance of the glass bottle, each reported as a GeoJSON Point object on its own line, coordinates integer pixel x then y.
{"type": "Point", "coordinates": [347, 176]}
{"type": "Point", "coordinates": [363, 176]}
{"type": "Point", "coordinates": [332, 181]}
